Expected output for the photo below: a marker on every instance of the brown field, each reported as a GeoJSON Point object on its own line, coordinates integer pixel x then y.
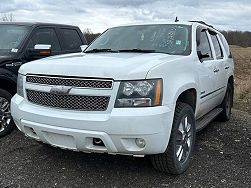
{"type": "Point", "coordinates": [242, 59]}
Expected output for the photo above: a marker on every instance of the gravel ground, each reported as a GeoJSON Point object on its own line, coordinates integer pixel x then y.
{"type": "Point", "coordinates": [222, 158]}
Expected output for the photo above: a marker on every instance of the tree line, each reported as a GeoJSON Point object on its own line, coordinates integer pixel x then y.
{"type": "Point", "coordinates": [238, 38]}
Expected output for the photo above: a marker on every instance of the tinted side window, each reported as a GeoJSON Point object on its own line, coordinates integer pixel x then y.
{"type": "Point", "coordinates": [71, 40]}
{"type": "Point", "coordinates": [226, 46]}
{"type": "Point", "coordinates": [204, 46]}
{"type": "Point", "coordinates": [217, 47]}
{"type": "Point", "coordinates": [45, 36]}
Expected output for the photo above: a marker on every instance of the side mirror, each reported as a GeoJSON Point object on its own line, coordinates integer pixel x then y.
{"type": "Point", "coordinates": [83, 47]}
{"type": "Point", "coordinates": [39, 51]}
{"type": "Point", "coordinates": [202, 56]}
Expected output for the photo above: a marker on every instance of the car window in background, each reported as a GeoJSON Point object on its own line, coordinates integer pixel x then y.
{"type": "Point", "coordinates": [71, 40]}
{"type": "Point", "coordinates": [11, 37]}
{"type": "Point", "coordinates": [45, 36]}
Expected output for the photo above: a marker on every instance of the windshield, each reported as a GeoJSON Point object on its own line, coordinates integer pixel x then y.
{"type": "Point", "coordinates": [164, 38]}
{"type": "Point", "coordinates": [11, 37]}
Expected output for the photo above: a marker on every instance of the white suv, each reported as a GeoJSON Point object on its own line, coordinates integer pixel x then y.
{"type": "Point", "coordinates": [136, 90]}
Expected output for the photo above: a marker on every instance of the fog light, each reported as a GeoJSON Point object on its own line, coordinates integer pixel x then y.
{"type": "Point", "coordinates": [140, 142]}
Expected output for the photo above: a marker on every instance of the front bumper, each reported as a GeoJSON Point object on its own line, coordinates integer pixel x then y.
{"type": "Point", "coordinates": [75, 130]}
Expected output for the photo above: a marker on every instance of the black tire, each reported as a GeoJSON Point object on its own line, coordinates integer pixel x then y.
{"type": "Point", "coordinates": [169, 161]}
{"type": "Point", "coordinates": [44, 144]}
{"type": "Point", "coordinates": [5, 128]}
{"type": "Point", "coordinates": [226, 105]}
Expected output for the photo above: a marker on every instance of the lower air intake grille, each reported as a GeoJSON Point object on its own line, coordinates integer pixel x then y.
{"type": "Point", "coordinates": [68, 102]}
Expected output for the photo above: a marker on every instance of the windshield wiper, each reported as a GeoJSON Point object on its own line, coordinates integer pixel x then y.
{"type": "Point", "coordinates": [97, 50]}
{"type": "Point", "coordinates": [138, 50]}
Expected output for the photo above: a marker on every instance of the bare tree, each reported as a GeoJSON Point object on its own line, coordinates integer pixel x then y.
{"type": "Point", "coordinates": [7, 17]}
{"type": "Point", "coordinates": [87, 31]}
{"type": "Point", "coordinates": [89, 35]}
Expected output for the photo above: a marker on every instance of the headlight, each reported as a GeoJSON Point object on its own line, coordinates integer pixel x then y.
{"type": "Point", "coordinates": [20, 87]}
{"type": "Point", "coordinates": [143, 93]}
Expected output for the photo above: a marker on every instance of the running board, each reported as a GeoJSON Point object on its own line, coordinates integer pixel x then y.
{"type": "Point", "coordinates": [206, 119]}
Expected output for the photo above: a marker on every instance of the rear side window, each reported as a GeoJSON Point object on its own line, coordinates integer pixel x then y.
{"type": "Point", "coordinates": [217, 47]}
{"type": "Point", "coordinates": [71, 40]}
{"type": "Point", "coordinates": [45, 36]}
{"type": "Point", "coordinates": [225, 45]}
{"type": "Point", "coordinates": [204, 46]}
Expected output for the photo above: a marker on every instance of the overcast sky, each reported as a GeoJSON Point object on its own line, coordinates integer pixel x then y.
{"type": "Point", "coordinates": [98, 15]}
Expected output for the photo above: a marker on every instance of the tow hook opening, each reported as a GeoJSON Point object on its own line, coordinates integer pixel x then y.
{"type": "Point", "coordinates": [31, 132]}
{"type": "Point", "coordinates": [98, 142]}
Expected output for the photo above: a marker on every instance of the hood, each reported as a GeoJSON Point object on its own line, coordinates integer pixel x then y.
{"type": "Point", "coordinates": [118, 66]}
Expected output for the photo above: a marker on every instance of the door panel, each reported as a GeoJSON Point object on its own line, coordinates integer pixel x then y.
{"type": "Point", "coordinates": [207, 75]}
{"type": "Point", "coordinates": [220, 64]}
{"type": "Point", "coordinates": [208, 82]}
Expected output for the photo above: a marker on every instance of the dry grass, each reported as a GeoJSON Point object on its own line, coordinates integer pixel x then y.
{"type": "Point", "coordinates": [242, 59]}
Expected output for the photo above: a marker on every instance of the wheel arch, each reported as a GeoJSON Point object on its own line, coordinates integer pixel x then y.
{"type": "Point", "coordinates": [8, 85]}
{"type": "Point", "coordinates": [8, 81]}
{"type": "Point", "coordinates": [231, 82]}
{"type": "Point", "coordinates": [189, 96]}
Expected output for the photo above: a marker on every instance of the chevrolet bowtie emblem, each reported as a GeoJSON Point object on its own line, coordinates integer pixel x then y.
{"type": "Point", "coordinates": [60, 90]}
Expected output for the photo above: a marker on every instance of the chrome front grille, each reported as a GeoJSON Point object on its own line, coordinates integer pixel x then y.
{"type": "Point", "coordinates": [68, 102]}
{"type": "Point", "coordinates": [74, 82]}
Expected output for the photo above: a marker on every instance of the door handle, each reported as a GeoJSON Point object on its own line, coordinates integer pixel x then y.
{"type": "Point", "coordinates": [227, 67]}
{"type": "Point", "coordinates": [216, 70]}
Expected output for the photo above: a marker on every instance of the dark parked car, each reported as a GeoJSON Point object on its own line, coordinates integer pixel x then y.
{"type": "Point", "coordinates": [24, 42]}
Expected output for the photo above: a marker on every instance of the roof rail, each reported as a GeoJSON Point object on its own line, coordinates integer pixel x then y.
{"type": "Point", "coordinates": [201, 22]}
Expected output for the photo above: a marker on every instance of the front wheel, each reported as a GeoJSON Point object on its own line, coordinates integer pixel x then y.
{"type": "Point", "coordinates": [177, 156]}
{"type": "Point", "coordinates": [6, 122]}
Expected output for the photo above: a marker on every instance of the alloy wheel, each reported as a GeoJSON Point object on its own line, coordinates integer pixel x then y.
{"type": "Point", "coordinates": [184, 139]}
